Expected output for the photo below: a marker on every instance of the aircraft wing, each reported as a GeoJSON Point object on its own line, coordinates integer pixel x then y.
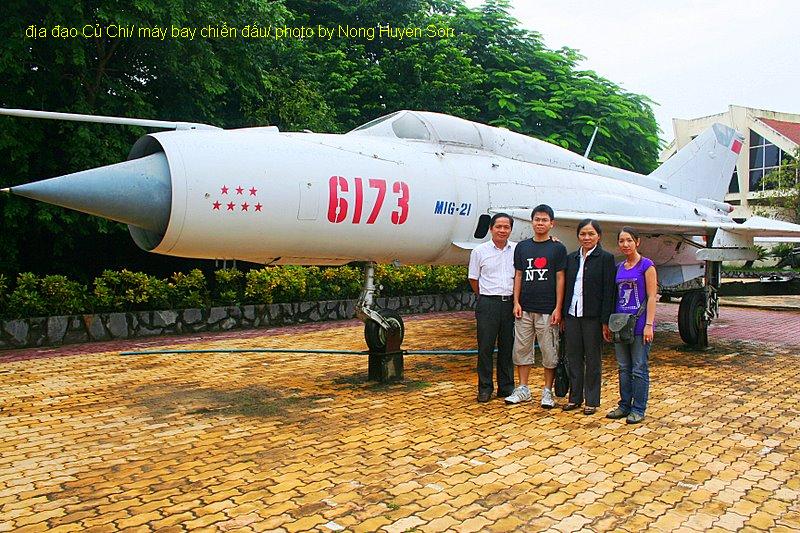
{"type": "Point", "coordinates": [74, 117]}
{"type": "Point", "coordinates": [767, 227]}
{"type": "Point", "coordinates": [754, 226]}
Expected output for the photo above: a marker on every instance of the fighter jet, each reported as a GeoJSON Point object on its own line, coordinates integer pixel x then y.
{"type": "Point", "coordinates": [409, 187]}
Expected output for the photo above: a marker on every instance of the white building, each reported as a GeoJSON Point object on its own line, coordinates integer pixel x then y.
{"type": "Point", "coordinates": [770, 137]}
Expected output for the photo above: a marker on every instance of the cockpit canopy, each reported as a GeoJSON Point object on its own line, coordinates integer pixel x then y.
{"type": "Point", "coordinates": [454, 131]}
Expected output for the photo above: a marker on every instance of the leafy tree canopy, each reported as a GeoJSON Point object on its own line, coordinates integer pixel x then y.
{"type": "Point", "coordinates": [486, 69]}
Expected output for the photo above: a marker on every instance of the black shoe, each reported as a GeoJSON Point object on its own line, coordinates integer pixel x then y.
{"type": "Point", "coordinates": [634, 418]}
{"type": "Point", "coordinates": [617, 414]}
{"type": "Point", "coordinates": [484, 397]}
{"type": "Point", "coordinates": [505, 394]}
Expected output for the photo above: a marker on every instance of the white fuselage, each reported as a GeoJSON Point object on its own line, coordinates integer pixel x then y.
{"type": "Point", "coordinates": [268, 197]}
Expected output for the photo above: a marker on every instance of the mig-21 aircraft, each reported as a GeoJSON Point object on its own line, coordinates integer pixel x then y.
{"type": "Point", "coordinates": [410, 187]}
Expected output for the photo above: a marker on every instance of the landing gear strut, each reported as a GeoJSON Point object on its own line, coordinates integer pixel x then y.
{"type": "Point", "coordinates": [699, 307]}
{"type": "Point", "coordinates": [383, 332]}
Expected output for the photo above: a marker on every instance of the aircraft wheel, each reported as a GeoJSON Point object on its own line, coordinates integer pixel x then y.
{"type": "Point", "coordinates": [690, 318]}
{"type": "Point", "coordinates": [375, 335]}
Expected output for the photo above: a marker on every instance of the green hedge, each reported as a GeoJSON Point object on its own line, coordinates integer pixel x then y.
{"type": "Point", "coordinates": [136, 291]}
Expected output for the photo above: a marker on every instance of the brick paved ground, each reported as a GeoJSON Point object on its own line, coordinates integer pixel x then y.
{"type": "Point", "coordinates": [91, 441]}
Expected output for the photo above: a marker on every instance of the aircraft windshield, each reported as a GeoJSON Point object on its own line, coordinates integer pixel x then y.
{"type": "Point", "coordinates": [377, 121]}
{"type": "Point", "coordinates": [411, 127]}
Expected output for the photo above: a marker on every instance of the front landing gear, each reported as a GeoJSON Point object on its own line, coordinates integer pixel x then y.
{"type": "Point", "coordinates": [699, 307]}
{"type": "Point", "coordinates": [377, 336]}
{"type": "Point", "coordinates": [383, 332]}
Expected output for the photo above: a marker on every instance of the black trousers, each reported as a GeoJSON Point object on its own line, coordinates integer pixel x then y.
{"type": "Point", "coordinates": [495, 320]}
{"type": "Point", "coordinates": [584, 347]}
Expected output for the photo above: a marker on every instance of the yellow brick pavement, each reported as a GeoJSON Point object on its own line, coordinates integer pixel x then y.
{"type": "Point", "coordinates": [278, 442]}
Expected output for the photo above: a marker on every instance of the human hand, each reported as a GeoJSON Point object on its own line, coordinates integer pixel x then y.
{"type": "Point", "coordinates": [648, 334]}
{"type": "Point", "coordinates": [517, 310]}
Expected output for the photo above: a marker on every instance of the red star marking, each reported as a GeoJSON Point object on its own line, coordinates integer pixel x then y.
{"type": "Point", "coordinates": [245, 206]}
{"type": "Point", "coordinates": [258, 207]}
{"type": "Point", "coordinates": [230, 206]}
{"type": "Point", "coordinates": [224, 189]}
{"type": "Point", "coordinates": [239, 190]}
{"type": "Point", "coordinates": [216, 205]}
{"type": "Point", "coordinates": [253, 191]}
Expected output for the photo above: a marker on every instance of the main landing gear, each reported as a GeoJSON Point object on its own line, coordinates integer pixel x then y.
{"type": "Point", "coordinates": [383, 331]}
{"type": "Point", "coordinates": [699, 307]}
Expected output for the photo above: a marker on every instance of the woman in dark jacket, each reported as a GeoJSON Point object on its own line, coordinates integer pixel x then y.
{"type": "Point", "coordinates": [588, 301]}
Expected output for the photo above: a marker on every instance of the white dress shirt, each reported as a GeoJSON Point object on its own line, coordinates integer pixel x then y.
{"type": "Point", "coordinates": [493, 268]}
{"type": "Point", "coordinates": [576, 306]}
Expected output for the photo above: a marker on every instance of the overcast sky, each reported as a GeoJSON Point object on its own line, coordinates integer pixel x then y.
{"type": "Point", "coordinates": [693, 58]}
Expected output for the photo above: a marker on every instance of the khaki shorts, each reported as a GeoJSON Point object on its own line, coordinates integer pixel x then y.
{"type": "Point", "coordinates": [530, 327]}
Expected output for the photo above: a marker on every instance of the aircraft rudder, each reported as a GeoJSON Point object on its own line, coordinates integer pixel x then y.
{"type": "Point", "coordinates": [704, 167]}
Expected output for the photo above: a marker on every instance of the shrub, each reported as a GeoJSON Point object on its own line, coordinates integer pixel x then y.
{"type": "Point", "coordinates": [448, 278]}
{"type": "Point", "coordinates": [314, 286]}
{"type": "Point", "coordinates": [189, 290]}
{"type": "Point", "coordinates": [229, 286]}
{"type": "Point", "coordinates": [276, 285]}
{"type": "Point", "coordinates": [413, 280]}
{"type": "Point", "coordinates": [49, 295]}
{"type": "Point", "coordinates": [341, 282]}
{"type": "Point", "coordinates": [133, 291]}
{"type": "Point", "coordinates": [130, 291]}
{"type": "Point", "coordinates": [782, 250]}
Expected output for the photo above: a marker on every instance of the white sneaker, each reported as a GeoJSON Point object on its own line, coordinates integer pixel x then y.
{"type": "Point", "coordinates": [520, 394]}
{"type": "Point", "coordinates": [547, 399]}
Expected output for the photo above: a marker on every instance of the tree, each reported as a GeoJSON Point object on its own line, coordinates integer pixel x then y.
{"type": "Point", "coordinates": [204, 80]}
{"type": "Point", "coordinates": [487, 69]}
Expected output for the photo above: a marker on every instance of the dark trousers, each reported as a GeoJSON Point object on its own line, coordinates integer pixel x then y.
{"type": "Point", "coordinates": [584, 347]}
{"type": "Point", "coordinates": [495, 320]}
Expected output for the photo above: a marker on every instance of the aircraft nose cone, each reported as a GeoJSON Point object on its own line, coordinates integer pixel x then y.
{"type": "Point", "coordinates": [136, 192]}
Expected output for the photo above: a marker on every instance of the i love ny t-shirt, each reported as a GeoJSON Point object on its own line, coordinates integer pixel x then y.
{"type": "Point", "coordinates": [539, 262]}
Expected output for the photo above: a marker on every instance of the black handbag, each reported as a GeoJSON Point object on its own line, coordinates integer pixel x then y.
{"type": "Point", "coordinates": [561, 384]}
{"type": "Point", "coordinates": [622, 325]}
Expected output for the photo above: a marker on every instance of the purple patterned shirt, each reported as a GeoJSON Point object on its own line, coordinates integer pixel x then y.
{"type": "Point", "coordinates": [631, 290]}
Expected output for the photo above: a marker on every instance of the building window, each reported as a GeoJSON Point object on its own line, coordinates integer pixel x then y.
{"type": "Point", "coordinates": [764, 158]}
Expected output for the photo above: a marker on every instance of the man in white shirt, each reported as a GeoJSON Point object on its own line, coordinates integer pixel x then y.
{"type": "Point", "coordinates": [491, 275]}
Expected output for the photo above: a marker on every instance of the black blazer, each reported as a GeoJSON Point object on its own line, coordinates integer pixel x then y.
{"type": "Point", "coordinates": [599, 283]}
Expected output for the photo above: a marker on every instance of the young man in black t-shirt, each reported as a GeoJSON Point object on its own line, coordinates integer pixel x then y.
{"type": "Point", "coordinates": [539, 265]}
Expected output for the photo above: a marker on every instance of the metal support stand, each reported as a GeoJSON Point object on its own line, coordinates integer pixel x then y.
{"type": "Point", "coordinates": [387, 366]}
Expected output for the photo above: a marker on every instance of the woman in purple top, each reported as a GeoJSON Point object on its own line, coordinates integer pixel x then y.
{"type": "Point", "coordinates": [637, 285]}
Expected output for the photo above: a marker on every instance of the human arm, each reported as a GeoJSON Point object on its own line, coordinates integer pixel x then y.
{"type": "Point", "coordinates": [555, 318]}
{"type": "Point", "coordinates": [474, 271]}
{"type": "Point", "coordinates": [474, 284]}
{"type": "Point", "coordinates": [651, 286]}
{"type": "Point", "coordinates": [517, 291]}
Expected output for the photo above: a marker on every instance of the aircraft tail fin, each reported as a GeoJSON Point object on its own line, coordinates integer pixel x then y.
{"type": "Point", "coordinates": [702, 168]}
